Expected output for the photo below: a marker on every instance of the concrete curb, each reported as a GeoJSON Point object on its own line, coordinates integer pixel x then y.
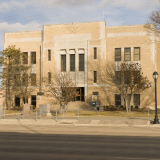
{"type": "Point", "coordinates": [69, 122]}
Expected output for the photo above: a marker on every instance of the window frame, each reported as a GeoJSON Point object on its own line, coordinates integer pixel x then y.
{"type": "Point", "coordinates": [118, 100]}
{"type": "Point", "coordinates": [63, 69]}
{"type": "Point", "coordinates": [33, 83]}
{"type": "Point", "coordinates": [25, 58]}
{"type": "Point", "coordinates": [115, 54]}
{"type": "Point", "coordinates": [18, 99]}
{"type": "Point", "coordinates": [72, 65]}
{"type": "Point", "coordinates": [33, 58]}
{"type": "Point", "coordinates": [49, 77]}
{"type": "Point", "coordinates": [136, 100]}
{"type": "Point", "coordinates": [95, 76]}
{"type": "Point", "coordinates": [127, 54]}
{"type": "Point", "coordinates": [137, 54]}
{"type": "Point", "coordinates": [81, 65]}
{"type": "Point", "coordinates": [49, 55]}
{"type": "Point", "coordinates": [95, 52]}
{"type": "Point", "coordinates": [33, 100]}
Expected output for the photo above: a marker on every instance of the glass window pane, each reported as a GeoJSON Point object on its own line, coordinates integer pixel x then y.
{"type": "Point", "coordinates": [63, 63]}
{"type": "Point", "coordinates": [127, 54]}
{"type": "Point", "coordinates": [81, 62]}
{"type": "Point", "coordinates": [117, 99]}
{"type": "Point", "coordinates": [117, 54]}
{"type": "Point", "coordinates": [33, 79]}
{"type": "Point", "coordinates": [137, 99]}
{"type": "Point", "coordinates": [137, 54]}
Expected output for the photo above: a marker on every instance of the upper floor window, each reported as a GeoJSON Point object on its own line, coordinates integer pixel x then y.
{"type": "Point", "coordinates": [95, 53]}
{"type": "Point", "coordinates": [95, 76]}
{"type": "Point", "coordinates": [117, 54]}
{"type": "Point", "coordinates": [63, 63]}
{"type": "Point", "coordinates": [49, 77]}
{"type": "Point", "coordinates": [118, 77]}
{"type": "Point", "coordinates": [127, 54]}
{"type": "Point", "coordinates": [137, 54]}
{"type": "Point", "coordinates": [25, 79]}
{"type": "Point", "coordinates": [81, 62]}
{"type": "Point", "coordinates": [33, 79]}
{"type": "Point", "coordinates": [33, 57]}
{"type": "Point", "coordinates": [72, 62]}
{"type": "Point", "coordinates": [25, 58]}
{"type": "Point", "coordinates": [49, 55]}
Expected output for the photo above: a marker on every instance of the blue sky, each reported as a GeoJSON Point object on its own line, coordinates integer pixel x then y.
{"type": "Point", "coordinates": [28, 15]}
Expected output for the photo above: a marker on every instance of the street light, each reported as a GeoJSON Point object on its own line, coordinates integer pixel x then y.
{"type": "Point", "coordinates": [155, 77]}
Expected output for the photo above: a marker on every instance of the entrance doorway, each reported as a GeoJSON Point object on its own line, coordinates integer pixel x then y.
{"type": "Point", "coordinates": [80, 94]}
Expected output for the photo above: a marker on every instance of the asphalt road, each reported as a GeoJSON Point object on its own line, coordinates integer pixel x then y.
{"type": "Point", "coordinates": [21, 142]}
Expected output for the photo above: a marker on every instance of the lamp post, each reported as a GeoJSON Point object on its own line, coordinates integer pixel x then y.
{"type": "Point", "coordinates": [155, 77]}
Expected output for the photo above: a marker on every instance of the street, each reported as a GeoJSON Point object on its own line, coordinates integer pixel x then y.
{"type": "Point", "coordinates": [70, 142]}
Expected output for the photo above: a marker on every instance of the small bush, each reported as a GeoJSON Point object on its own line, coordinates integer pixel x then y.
{"type": "Point", "coordinates": [34, 107]}
{"type": "Point", "coordinates": [121, 106]}
{"type": "Point", "coordinates": [136, 107]}
{"type": "Point", "coordinates": [113, 108]}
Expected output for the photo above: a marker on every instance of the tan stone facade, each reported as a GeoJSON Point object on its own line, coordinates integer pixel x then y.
{"type": "Point", "coordinates": [83, 38]}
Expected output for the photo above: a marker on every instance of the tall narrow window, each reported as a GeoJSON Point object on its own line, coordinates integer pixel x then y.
{"type": "Point", "coordinates": [63, 63]}
{"type": "Point", "coordinates": [136, 75]}
{"type": "Point", "coordinates": [81, 62]}
{"type": "Point", "coordinates": [33, 79]}
{"type": "Point", "coordinates": [33, 100]}
{"type": "Point", "coordinates": [117, 54]}
{"type": "Point", "coordinates": [118, 77]}
{"type": "Point", "coordinates": [127, 54]}
{"type": "Point", "coordinates": [95, 53]}
{"type": "Point", "coordinates": [127, 77]}
{"type": "Point", "coordinates": [49, 77]}
{"type": "Point", "coordinates": [33, 57]}
{"type": "Point", "coordinates": [137, 54]}
{"type": "Point", "coordinates": [25, 79]}
{"type": "Point", "coordinates": [72, 62]}
{"type": "Point", "coordinates": [49, 55]}
{"type": "Point", "coordinates": [136, 99]}
{"type": "Point", "coordinates": [95, 76]}
{"type": "Point", "coordinates": [17, 79]}
{"type": "Point", "coordinates": [25, 58]}
{"type": "Point", "coordinates": [17, 101]}
{"type": "Point", "coordinates": [117, 99]}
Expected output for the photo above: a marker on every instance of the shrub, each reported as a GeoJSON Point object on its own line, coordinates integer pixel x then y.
{"type": "Point", "coordinates": [131, 107]}
{"type": "Point", "coordinates": [34, 107]}
{"type": "Point", "coordinates": [113, 108]}
{"type": "Point", "coordinates": [136, 107]}
{"type": "Point", "coordinates": [122, 106]}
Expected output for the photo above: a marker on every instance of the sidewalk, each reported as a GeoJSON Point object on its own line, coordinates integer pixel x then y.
{"type": "Point", "coordinates": [74, 121]}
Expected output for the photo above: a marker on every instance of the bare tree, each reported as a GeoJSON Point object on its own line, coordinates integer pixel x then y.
{"type": "Point", "coordinates": [60, 86]}
{"type": "Point", "coordinates": [125, 79]}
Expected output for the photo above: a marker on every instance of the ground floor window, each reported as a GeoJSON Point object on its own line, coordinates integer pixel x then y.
{"type": "Point", "coordinates": [17, 101]}
{"type": "Point", "coordinates": [33, 100]}
{"type": "Point", "coordinates": [117, 99]}
{"type": "Point", "coordinates": [136, 99]}
{"type": "Point", "coordinates": [25, 100]}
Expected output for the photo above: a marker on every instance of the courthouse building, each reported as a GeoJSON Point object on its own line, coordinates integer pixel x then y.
{"type": "Point", "coordinates": [81, 49]}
